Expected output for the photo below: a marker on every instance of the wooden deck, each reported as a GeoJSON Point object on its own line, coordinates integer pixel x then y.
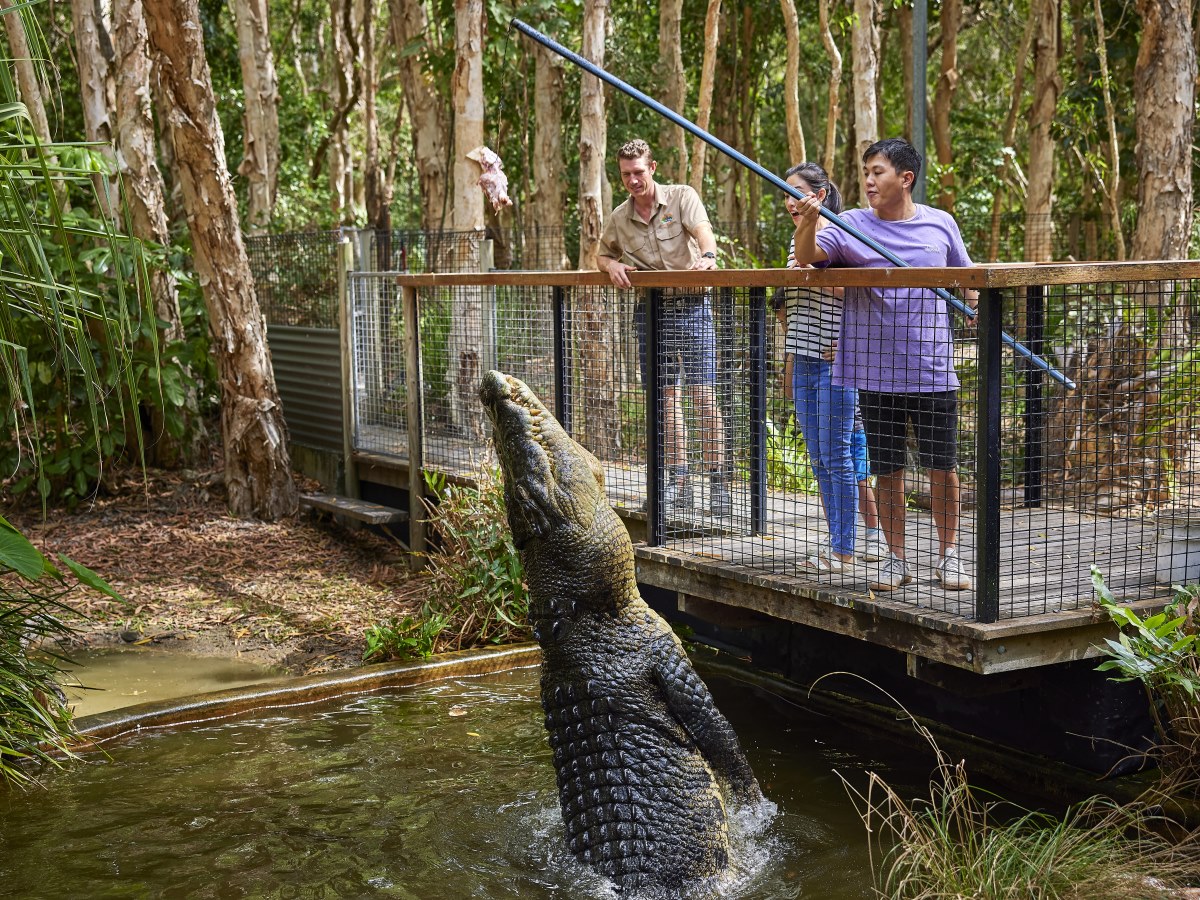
{"type": "Point", "coordinates": [718, 567]}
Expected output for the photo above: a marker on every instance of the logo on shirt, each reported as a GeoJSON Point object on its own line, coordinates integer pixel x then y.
{"type": "Point", "coordinates": [667, 218]}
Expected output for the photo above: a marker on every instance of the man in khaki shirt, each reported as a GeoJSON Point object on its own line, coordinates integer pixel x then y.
{"type": "Point", "coordinates": [664, 227]}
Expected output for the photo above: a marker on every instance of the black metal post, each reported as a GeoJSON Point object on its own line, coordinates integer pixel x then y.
{"type": "Point", "coordinates": [758, 409]}
{"type": "Point", "coordinates": [1035, 408]}
{"type": "Point", "coordinates": [987, 460]}
{"type": "Point", "coordinates": [562, 378]}
{"type": "Point", "coordinates": [655, 429]}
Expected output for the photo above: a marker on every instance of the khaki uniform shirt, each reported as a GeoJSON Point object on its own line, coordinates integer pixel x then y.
{"type": "Point", "coordinates": [667, 241]}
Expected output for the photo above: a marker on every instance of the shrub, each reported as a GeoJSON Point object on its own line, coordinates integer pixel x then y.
{"type": "Point", "coordinates": [407, 638]}
{"type": "Point", "coordinates": [1161, 652]}
{"type": "Point", "coordinates": [477, 583]}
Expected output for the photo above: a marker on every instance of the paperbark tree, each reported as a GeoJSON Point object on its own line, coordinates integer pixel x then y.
{"type": "Point", "coordinates": [544, 224]}
{"type": "Point", "coordinates": [466, 328]}
{"type": "Point", "coordinates": [865, 41]}
{"type": "Point", "coordinates": [593, 135]}
{"type": "Point", "coordinates": [94, 58]}
{"type": "Point", "coordinates": [260, 118]}
{"type": "Point", "coordinates": [943, 102]}
{"type": "Point", "coordinates": [377, 186]}
{"type": "Point", "coordinates": [348, 82]}
{"type": "Point", "coordinates": [791, 84]}
{"type": "Point", "coordinates": [426, 108]}
{"type": "Point", "coordinates": [601, 431]}
{"type": "Point", "coordinates": [708, 67]}
{"type": "Point", "coordinates": [29, 83]}
{"type": "Point", "coordinates": [258, 476]}
{"type": "Point", "coordinates": [1164, 82]}
{"type": "Point", "coordinates": [1047, 85]}
{"type": "Point", "coordinates": [144, 194]}
{"type": "Point", "coordinates": [672, 140]}
{"type": "Point", "coordinates": [835, 86]}
{"type": "Point", "coordinates": [1112, 182]}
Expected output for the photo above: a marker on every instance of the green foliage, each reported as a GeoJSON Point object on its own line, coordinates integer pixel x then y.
{"type": "Point", "coordinates": [407, 638]}
{"type": "Point", "coordinates": [963, 842]}
{"type": "Point", "coordinates": [477, 582]}
{"type": "Point", "coordinates": [1161, 651]}
{"type": "Point", "coordinates": [788, 468]}
{"type": "Point", "coordinates": [35, 722]}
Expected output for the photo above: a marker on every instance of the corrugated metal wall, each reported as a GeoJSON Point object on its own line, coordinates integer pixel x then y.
{"type": "Point", "coordinates": [308, 372]}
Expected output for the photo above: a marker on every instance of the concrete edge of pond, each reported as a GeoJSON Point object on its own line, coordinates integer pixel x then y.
{"type": "Point", "coordinates": [98, 729]}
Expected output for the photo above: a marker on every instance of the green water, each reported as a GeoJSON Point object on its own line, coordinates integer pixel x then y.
{"type": "Point", "coordinates": [440, 793]}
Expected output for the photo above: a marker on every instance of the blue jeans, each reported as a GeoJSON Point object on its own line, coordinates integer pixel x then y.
{"type": "Point", "coordinates": [826, 415]}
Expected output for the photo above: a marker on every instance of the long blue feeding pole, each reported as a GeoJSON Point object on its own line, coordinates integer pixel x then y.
{"type": "Point", "coordinates": [774, 179]}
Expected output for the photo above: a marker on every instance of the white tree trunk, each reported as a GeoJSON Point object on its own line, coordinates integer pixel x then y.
{"type": "Point", "coordinates": [1164, 83]}
{"type": "Point", "coordinates": [93, 50]}
{"type": "Point", "coordinates": [672, 149]}
{"type": "Point", "coordinates": [466, 329]}
{"type": "Point", "coordinates": [708, 68]}
{"type": "Point", "coordinates": [426, 111]}
{"type": "Point", "coordinates": [260, 118]}
{"type": "Point", "coordinates": [865, 39]}
{"type": "Point", "coordinates": [593, 135]}
{"type": "Point", "coordinates": [835, 87]}
{"type": "Point", "coordinates": [797, 152]}
{"type": "Point", "coordinates": [545, 221]}
{"type": "Point", "coordinates": [1047, 85]}
{"type": "Point", "coordinates": [258, 477]}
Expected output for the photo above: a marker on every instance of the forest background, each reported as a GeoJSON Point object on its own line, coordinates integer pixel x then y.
{"type": "Point", "coordinates": [1056, 129]}
{"type": "Point", "coordinates": [1043, 116]}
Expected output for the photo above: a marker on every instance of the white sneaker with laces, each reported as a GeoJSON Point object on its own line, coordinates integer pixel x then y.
{"type": "Point", "coordinates": [950, 572]}
{"type": "Point", "coordinates": [894, 573]}
{"type": "Point", "coordinates": [874, 547]}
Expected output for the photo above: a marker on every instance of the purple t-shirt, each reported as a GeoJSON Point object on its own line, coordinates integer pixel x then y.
{"type": "Point", "coordinates": [896, 340]}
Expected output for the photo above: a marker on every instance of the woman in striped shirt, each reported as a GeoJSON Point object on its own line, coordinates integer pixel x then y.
{"type": "Point", "coordinates": [825, 411]}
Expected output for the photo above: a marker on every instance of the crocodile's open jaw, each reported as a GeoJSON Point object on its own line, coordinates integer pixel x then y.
{"type": "Point", "coordinates": [550, 481]}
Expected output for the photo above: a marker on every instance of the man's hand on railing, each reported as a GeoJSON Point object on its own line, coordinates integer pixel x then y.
{"type": "Point", "coordinates": [618, 273]}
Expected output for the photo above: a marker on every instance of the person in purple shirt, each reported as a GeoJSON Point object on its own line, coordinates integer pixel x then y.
{"type": "Point", "coordinates": [896, 347]}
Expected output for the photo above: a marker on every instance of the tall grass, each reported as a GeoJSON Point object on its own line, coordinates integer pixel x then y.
{"type": "Point", "coordinates": [963, 843]}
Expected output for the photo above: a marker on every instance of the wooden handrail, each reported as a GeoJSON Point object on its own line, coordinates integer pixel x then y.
{"type": "Point", "coordinates": [997, 275]}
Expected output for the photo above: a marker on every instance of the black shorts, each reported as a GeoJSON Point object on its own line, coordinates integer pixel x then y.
{"type": "Point", "coordinates": [934, 418]}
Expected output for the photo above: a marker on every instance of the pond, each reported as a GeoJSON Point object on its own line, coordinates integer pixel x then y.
{"type": "Point", "coordinates": [443, 791]}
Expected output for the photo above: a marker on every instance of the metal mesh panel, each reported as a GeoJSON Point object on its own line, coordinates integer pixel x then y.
{"type": "Point", "coordinates": [464, 332]}
{"type": "Point", "coordinates": [1103, 474]}
{"type": "Point", "coordinates": [295, 277]}
{"type": "Point", "coordinates": [380, 386]}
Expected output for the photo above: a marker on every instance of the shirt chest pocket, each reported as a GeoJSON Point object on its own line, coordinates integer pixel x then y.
{"type": "Point", "coordinates": [670, 235]}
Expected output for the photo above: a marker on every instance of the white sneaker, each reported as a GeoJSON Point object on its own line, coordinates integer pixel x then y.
{"type": "Point", "coordinates": [950, 572]}
{"type": "Point", "coordinates": [824, 560]}
{"type": "Point", "coordinates": [874, 547]}
{"type": "Point", "coordinates": [894, 573]}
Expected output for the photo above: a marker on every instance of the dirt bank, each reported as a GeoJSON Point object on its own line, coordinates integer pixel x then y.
{"type": "Point", "coordinates": [298, 593]}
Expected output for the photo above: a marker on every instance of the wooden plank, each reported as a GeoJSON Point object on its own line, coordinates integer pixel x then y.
{"type": "Point", "coordinates": [360, 510]}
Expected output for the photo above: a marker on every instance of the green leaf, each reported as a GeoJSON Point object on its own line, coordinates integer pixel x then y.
{"type": "Point", "coordinates": [17, 554]}
{"type": "Point", "coordinates": [90, 578]}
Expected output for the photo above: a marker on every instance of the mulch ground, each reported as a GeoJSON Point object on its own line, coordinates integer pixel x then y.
{"type": "Point", "coordinates": [299, 593]}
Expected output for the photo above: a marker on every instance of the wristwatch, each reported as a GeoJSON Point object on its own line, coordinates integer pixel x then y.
{"type": "Point", "coordinates": [709, 254]}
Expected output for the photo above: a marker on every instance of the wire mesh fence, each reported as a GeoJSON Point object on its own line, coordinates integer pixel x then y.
{"type": "Point", "coordinates": [295, 277]}
{"type": "Point", "coordinates": [734, 455]}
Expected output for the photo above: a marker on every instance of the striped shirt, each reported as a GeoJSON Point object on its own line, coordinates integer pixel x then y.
{"type": "Point", "coordinates": [813, 316]}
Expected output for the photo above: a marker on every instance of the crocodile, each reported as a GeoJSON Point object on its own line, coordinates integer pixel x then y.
{"type": "Point", "coordinates": [649, 771]}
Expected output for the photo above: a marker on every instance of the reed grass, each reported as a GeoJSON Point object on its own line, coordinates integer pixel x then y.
{"type": "Point", "coordinates": [964, 843]}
